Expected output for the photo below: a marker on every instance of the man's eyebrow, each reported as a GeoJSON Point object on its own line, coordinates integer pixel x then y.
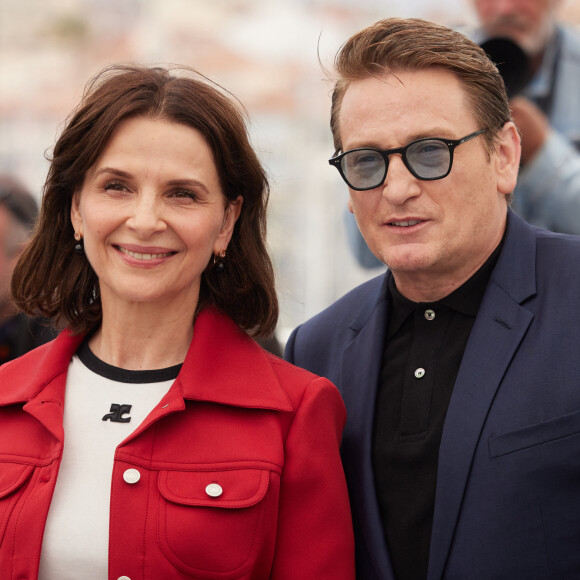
{"type": "Point", "coordinates": [434, 133]}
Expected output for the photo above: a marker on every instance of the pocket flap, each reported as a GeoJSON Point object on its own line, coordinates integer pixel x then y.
{"type": "Point", "coordinates": [236, 488]}
{"type": "Point", "coordinates": [12, 476]}
{"type": "Point", "coordinates": [533, 435]}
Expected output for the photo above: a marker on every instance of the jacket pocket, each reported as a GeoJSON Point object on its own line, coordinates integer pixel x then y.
{"type": "Point", "coordinates": [533, 435]}
{"type": "Point", "coordinates": [13, 476]}
{"type": "Point", "coordinates": [212, 524]}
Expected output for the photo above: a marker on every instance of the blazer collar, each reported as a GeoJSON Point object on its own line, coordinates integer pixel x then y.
{"type": "Point", "coordinates": [515, 271]}
{"type": "Point", "coordinates": [223, 365]}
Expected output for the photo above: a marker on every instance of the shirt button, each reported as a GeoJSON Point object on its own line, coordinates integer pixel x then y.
{"type": "Point", "coordinates": [131, 476]}
{"type": "Point", "coordinates": [123, 578]}
{"type": "Point", "coordinates": [214, 490]}
{"type": "Point", "coordinates": [419, 373]}
{"type": "Point", "coordinates": [429, 314]}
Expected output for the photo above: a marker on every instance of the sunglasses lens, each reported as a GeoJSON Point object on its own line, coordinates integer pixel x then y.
{"type": "Point", "coordinates": [429, 158]}
{"type": "Point", "coordinates": [363, 168]}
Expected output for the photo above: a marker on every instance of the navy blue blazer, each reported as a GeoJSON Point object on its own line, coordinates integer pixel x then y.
{"type": "Point", "coordinates": [508, 487]}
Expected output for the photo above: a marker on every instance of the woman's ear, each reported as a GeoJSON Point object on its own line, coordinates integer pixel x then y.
{"type": "Point", "coordinates": [75, 214]}
{"type": "Point", "coordinates": [507, 158]}
{"type": "Point", "coordinates": [232, 213]}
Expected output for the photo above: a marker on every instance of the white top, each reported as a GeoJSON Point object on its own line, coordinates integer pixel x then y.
{"type": "Point", "coordinates": [76, 538]}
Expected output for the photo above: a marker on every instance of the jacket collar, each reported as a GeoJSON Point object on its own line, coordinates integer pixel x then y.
{"type": "Point", "coordinates": [515, 271]}
{"type": "Point", "coordinates": [223, 365]}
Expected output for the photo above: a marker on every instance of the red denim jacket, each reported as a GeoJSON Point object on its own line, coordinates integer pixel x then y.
{"type": "Point", "coordinates": [265, 434]}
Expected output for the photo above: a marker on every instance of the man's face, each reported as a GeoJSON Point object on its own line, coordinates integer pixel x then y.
{"type": "Point", "coordinates": [526, 22]}
{"type": "Point", "coordinates": [432, 234]}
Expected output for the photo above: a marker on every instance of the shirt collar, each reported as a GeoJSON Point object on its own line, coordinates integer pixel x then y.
{"type": "Point", "coordinates": [465, 299]}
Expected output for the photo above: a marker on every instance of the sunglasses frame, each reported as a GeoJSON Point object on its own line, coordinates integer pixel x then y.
{"type": "Point", "coordinates": [385, 153]}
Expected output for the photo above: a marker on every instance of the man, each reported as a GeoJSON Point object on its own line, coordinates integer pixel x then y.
{"type": "Point", "coordinates": [548, 110]}
{"type": "Point", "coordinates": [545, 108]}
{"type": "Point", "coordinates": [459, 366]}
{"type": "Point", "coordinates": [18, 333]}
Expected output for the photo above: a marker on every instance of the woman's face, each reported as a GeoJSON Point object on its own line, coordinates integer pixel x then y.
{"type": "Point", "coordinates": [152, 213]}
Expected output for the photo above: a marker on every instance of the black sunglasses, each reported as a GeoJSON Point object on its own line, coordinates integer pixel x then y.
{"type": "Point", "coordinates": [427, 159]}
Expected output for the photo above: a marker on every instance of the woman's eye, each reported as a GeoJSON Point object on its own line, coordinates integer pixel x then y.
{"type": "Point", "coordinates": [115, 186]}
{"type": "Point", "coordinates": [184, 194]}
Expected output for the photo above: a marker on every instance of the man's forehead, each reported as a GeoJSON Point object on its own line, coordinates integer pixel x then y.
{"type": "Point", "coordinates": [426, 100]}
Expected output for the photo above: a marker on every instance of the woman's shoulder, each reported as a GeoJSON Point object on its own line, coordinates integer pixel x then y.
{"type": "Point", "coordinates": [300, 383]}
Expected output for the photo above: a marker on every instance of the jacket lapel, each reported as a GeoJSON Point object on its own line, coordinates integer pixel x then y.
{"type": "Point", "coordinates": [498, 330]}
{"type": "Point", "coordinates": [359, 382]}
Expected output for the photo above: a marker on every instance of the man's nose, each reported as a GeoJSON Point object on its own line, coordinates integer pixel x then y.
{"type": "Point", "coordinates": [400, 184]}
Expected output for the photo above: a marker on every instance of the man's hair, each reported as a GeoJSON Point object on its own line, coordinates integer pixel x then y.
{"type": "Point", "coordinates": [396, 45]}
{"type": "Point", "coordinates": [53, 280]}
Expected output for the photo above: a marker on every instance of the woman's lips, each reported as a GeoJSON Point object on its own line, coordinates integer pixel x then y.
{"type": "Point", "coordinates": [145, 253]}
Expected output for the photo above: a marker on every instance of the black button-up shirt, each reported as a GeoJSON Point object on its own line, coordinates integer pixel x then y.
{"type": "Point", "coordinates": [423, 352]}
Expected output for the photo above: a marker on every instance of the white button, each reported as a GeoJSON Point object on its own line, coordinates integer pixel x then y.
{"type": "Point", "coordinates": [429, 314]}
{"type": "Point", "coordinates": [214, 490]}
{"type": "Point", "coordinates": [419, 373]}
{"type": "Point", "coordinates": [131, 476]}
{"type": "Point", "coordinates": [123, 578]}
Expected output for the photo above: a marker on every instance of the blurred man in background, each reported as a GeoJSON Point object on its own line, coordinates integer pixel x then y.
{"type": "Point", "coordinates": [547, 110]}
{"type": "Point", "coordinates": [18, 209]}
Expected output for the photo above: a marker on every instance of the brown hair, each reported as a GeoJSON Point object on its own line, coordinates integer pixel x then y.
{"type": "Point", "coordinates": [397, 44]}
{"type": "Point", "coordinates": [52, 280]}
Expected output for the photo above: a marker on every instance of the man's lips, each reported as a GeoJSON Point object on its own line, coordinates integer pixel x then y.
{"type": "Point", "coordinates": [404, 223]}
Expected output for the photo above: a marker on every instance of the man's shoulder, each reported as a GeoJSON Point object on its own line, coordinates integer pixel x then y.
{"type": "Point", "coordinates": [570, 44]}
{"type": "Point", "coordinates": [335, 324]}
{"type": "Point", "coordinates": [558, 251]}
{"type": "Point", "coordinates": [356, 303]}
{"type": "Point", "coordinates": [316, 344]}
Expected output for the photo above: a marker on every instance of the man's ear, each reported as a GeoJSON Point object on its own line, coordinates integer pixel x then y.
{"type": "Point", "coordinates": [507, 158]}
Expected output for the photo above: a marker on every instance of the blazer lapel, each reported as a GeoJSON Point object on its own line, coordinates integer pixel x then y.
{"type": "Point", "coordinates": [359, 381]}
{"type": "Point", "coordinates": [498, 330]}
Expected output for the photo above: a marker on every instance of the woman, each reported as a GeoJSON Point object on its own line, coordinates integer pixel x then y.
{"type": "Point", "coordinates": [154, 439]}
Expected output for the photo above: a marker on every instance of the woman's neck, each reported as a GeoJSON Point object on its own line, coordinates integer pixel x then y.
{"type": "Point", "coordinates": [140, 337]}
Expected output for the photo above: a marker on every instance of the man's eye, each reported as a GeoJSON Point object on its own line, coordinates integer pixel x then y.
{"type": "Point", "coordinates": [363, 159]}
{"type": "Point", "coordinates": [429, 148]}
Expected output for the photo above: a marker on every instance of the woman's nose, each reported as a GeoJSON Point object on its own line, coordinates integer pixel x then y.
{"type": "Point", "coordinates": [146, 217]}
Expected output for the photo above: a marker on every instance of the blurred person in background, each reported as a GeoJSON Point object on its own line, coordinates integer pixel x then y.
{"type": "Point", "coordinates": [459, 367]}
{"type": "Point", "coordinates": [18, 210]}
{"type": "Point", "coordinates": [154, 438]}
{"type": "Point", "coordinates": [546, 109]}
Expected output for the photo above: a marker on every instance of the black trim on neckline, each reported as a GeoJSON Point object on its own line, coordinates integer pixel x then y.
{"type": "Point", "coordinates": [88, 358]}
